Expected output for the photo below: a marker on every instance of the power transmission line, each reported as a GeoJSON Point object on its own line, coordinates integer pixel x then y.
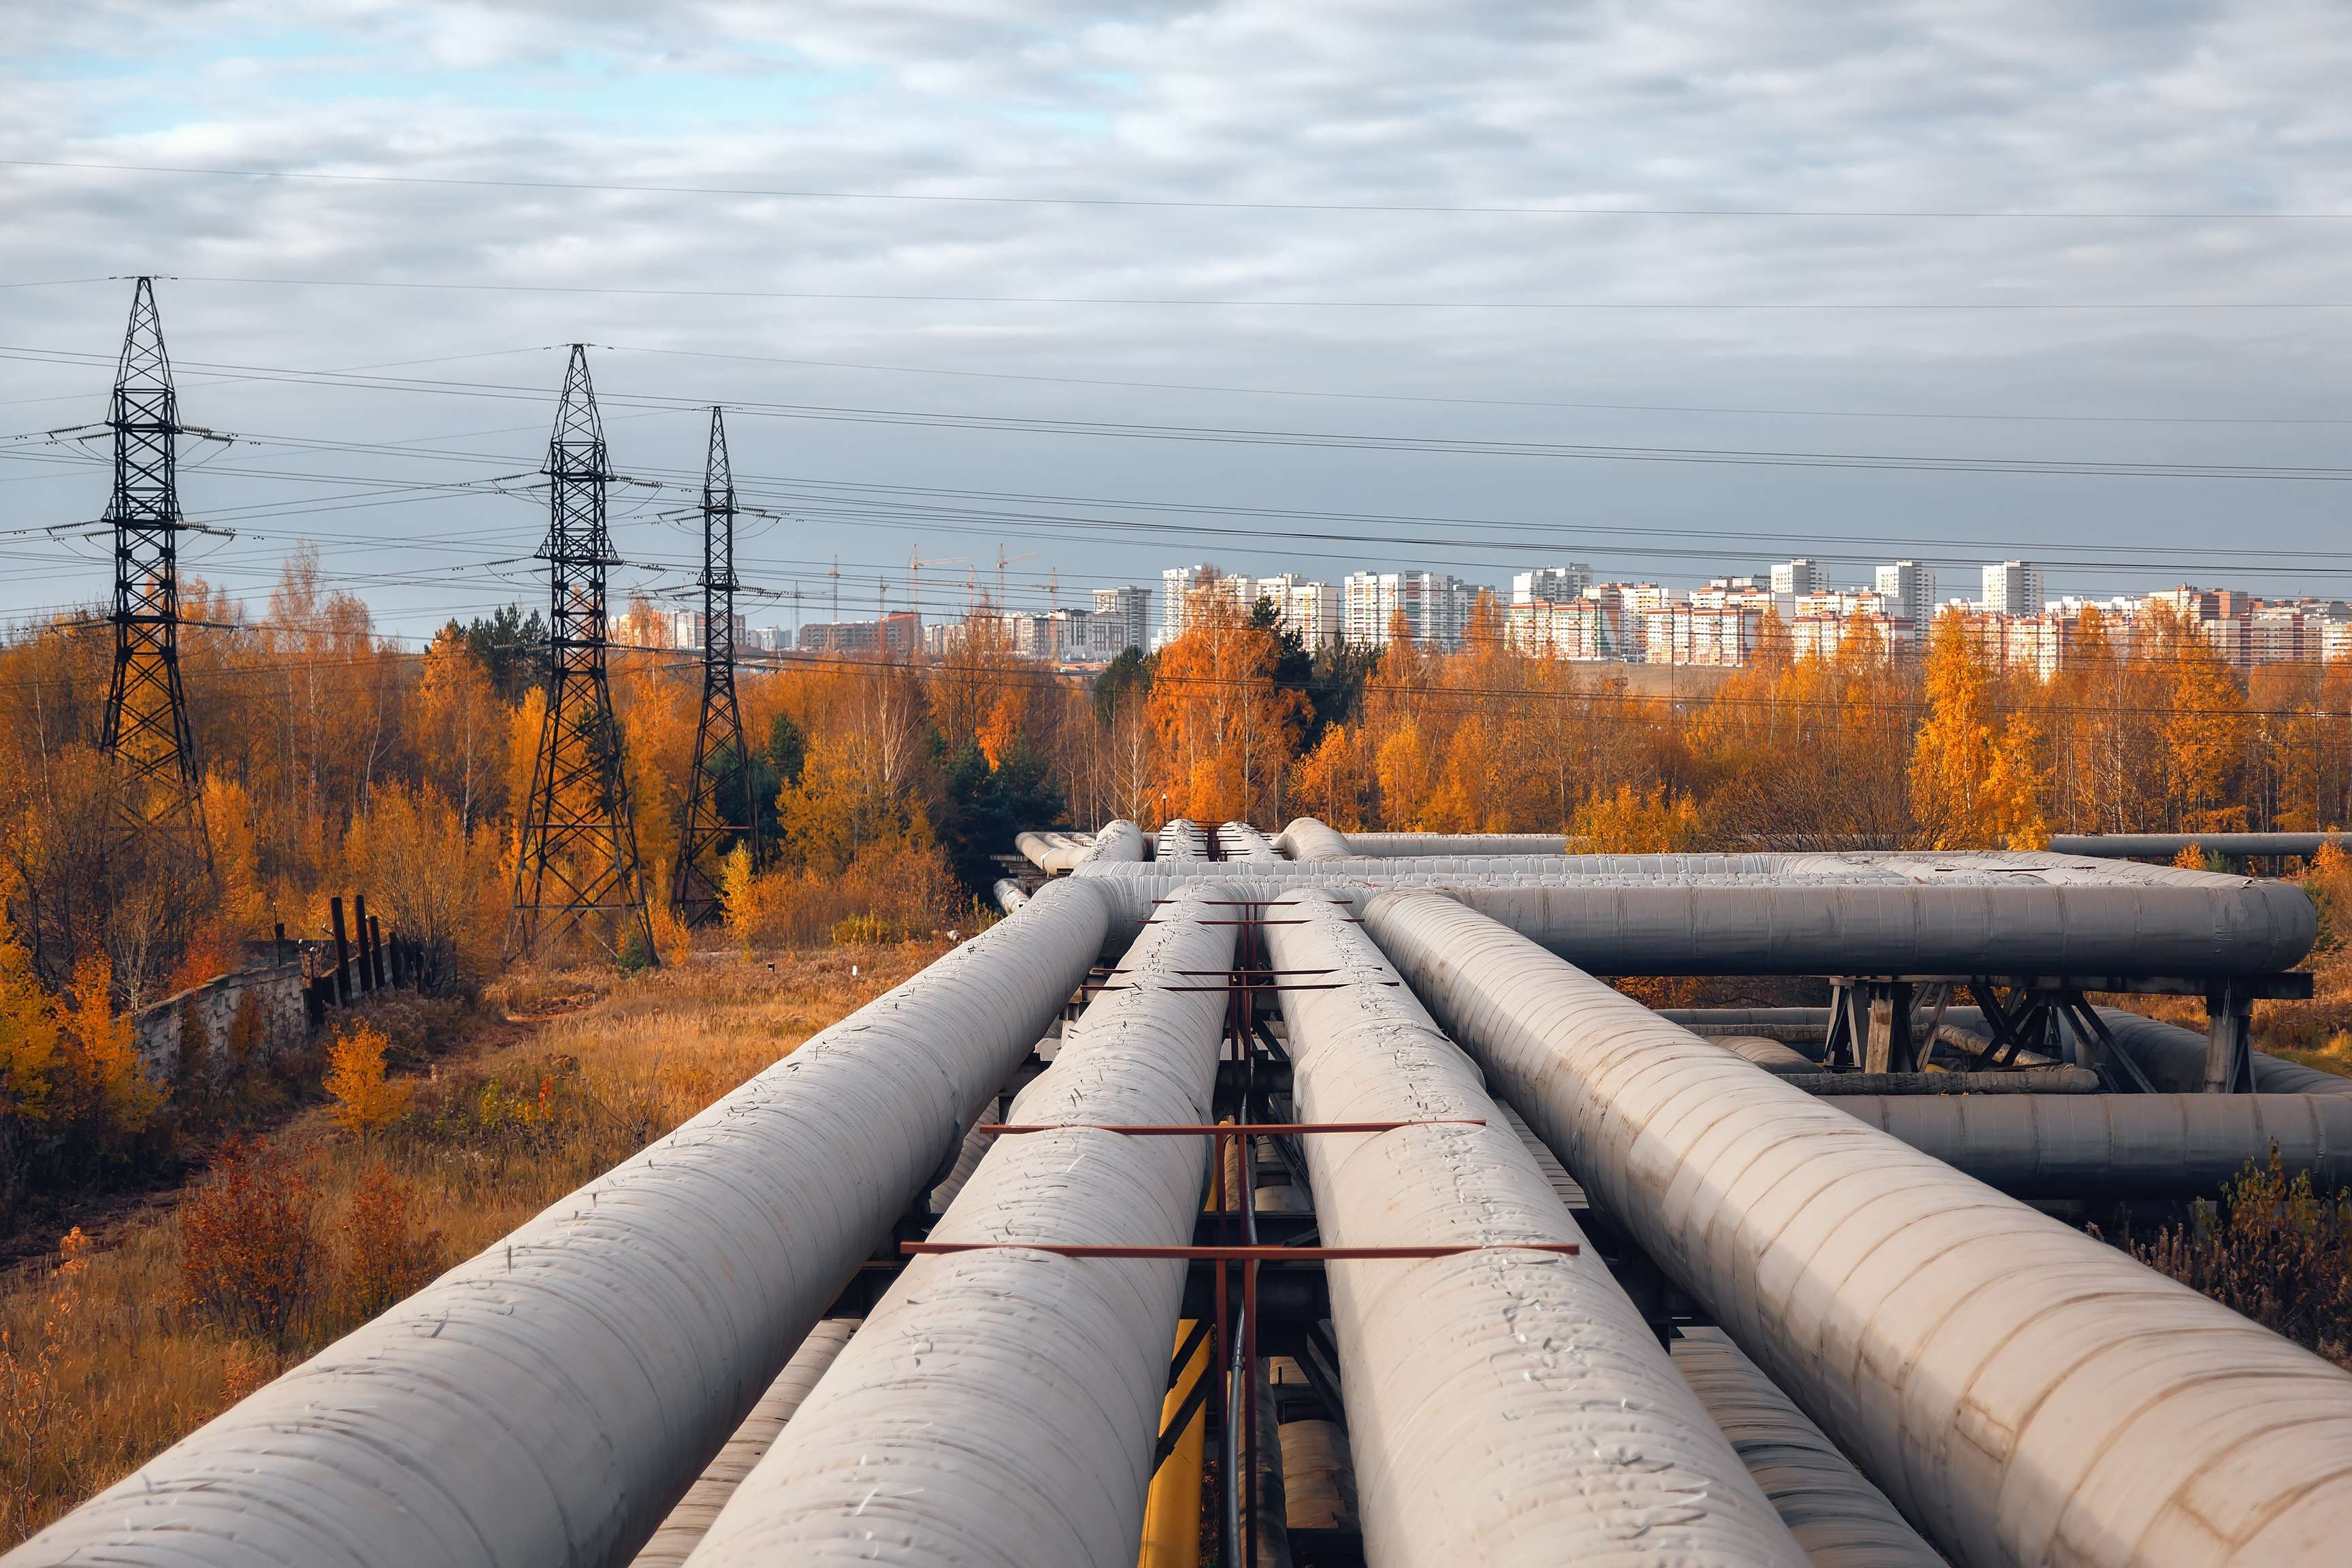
{"type": "Point", "coordinates": [578, 871]}
{"type": "Point", "coordinates": [720, 811]}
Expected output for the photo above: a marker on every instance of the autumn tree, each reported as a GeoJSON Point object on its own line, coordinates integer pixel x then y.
{"type": "Point", "coordinates": [1974, 780]}
{"type": "Point", "coordinates": [1225, 728]}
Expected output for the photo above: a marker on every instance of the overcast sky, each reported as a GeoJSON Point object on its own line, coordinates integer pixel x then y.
{"type": "Point", "coordinates": [1969, 237]}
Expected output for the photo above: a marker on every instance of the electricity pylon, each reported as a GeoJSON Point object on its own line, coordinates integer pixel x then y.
{"type": "Point", "coordinates": [146, 731]}
{"type": "Point", "coordinates": [718, 813]}
{"type": "Point", "coordinates": [578, 870]}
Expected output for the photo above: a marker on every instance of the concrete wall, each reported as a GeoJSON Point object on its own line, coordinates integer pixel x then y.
{"type": "Point", "coordinates": [277, 992]}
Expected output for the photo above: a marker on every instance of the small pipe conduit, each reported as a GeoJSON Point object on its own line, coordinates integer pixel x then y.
{"type": "Point", "coordinates": [547, 1401]}
{"type": "Point", "coordinates": [2023, 1393]}
{"type": "Point", "coordinates": [1503, 1407]}
{"type": "Point", "coordinates": [1000, 1407]}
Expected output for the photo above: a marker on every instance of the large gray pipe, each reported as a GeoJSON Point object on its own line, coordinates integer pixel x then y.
{"type": "Point", "coordinates": [1240, 841]}
{"type": "Point", "coordinates": [1180, 841]}
{"type": "Point", "coordinates": [2031, 928]}
{"type": "Point", "coordinates": [2117, 1145]}
{"type": "Point", "coordinates": [546, 1402]}
{"type": "Point", "coordinates": [1052, 852]}
{"type": "Point", "coordinates": [1058, 853]}
{"type": "Point", "coordinates": [1000, 1407]}
{"type": "Point", "coordinates": [1118, 841]}
{"type": "Point", "coordinates": [1383, 846]}
{"type": "Point", "coordinates": [1310, 838]}
{"type": "Point", "coordinates": [2164, 845]}
{"type": "Point", "coordinates": [1766, 923]}
{"type": "Point", "coordinates": [1503, 1407]}
{"type": "Point", "coordinates": [2025, 1394]}
{"type": "Point", "coordinates": [2174, 1058]}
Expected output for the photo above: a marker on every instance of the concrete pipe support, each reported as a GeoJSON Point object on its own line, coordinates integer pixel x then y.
{"type": "Point", "coordinates": [2023, 1393]}
{"type": "Point", "coordinates": [1503, 1407]}
{"type": "Point", "coordinates": [547, 1401]}
{"type": "Point", "coordinates": [999, 1408]}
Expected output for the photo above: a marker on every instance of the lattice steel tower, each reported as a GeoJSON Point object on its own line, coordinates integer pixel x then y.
{"type": "Point", "coordinates": [146, 729]}
{"type": "Point", "coordinates": [578, 871]}
{"type": "Point", "coordinates": [719, 815]}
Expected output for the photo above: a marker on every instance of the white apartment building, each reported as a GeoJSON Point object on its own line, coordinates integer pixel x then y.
{"type": "Point", "coordinates": [2012, 588]}
{"type": "Point", "coordinates": [1179, 586]}
{"type": "Point", "coordinates": [1802, 575]}
{"type": "Point", "coordinates": [1314, 611]}
{"type": "Point", "coordinates": [1589, 627]}
{"type": "Point", "coordinates": [1719, 636]}
{"type": "Point", "coordinates": [1435, 605]}
{"type": "Point", "coordinates": [1551, 584]}
{"type": "Point", "coordinates": [1130, 609]}
{"type": "Point", "coordinates": [1909, 587]}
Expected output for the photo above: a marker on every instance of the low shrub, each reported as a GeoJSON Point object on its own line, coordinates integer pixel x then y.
{"type": "Point", "coordinates": [249, 1242]}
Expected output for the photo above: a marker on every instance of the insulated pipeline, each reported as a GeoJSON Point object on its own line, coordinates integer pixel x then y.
{"type": "Point", "coordinates": [2174, 1058]}
{"type": "Point", "coordinates": [999, 1407]}
{"type": "Point", "coordinates": [1503, 1407]}
{"type": "Point", "coordinates": [2119, 1146]}
{"type": "Point", "coordinates": [547, 1401]}
{"type": "Point", "coordinates": [2025, 1394]}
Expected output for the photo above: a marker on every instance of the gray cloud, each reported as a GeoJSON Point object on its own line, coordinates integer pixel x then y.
{"type": "Point", "coordinates": [1918, 107]}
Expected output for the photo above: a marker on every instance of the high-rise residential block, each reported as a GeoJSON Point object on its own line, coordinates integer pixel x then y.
{"type": "Point", "coordinates": [1551, 584]}
{"type": "Point", "coordinates": [1435, 606]}
{"type": "Point", "coordinates": [1909, 588]}
{"type": "Point", "coordinates": [1130, 612]}
{"type": "Point", "coordinates": [2014, 588]}
{"type": "Point", "coordinates": [1802, 575]}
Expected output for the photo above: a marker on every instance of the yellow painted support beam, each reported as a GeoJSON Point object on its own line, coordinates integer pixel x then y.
{"type": "Point", "coordinates": [1172, 1511]}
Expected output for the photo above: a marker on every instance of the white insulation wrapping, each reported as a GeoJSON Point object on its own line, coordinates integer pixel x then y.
{"type": "Point", "coordinates": [1180, 840]}
{"type": "Point", "coordinates": [1503, 1407]}
{"type": "Point", "coordinates": [1703, 915]}
{"type": "Point", "coordinates": [547, 1401]}
{"type": "Point", "coordinates": [1836, 1515]}
{"type": "Point", "coordinates": [2174, 1058]}
{"type": "Point", "coordinates": [1120, 840]}
{"type": "Point", "coordinates": [1311, 838]}
{"type": "Point", "coordinates": [2117, 1145]}
{"type": "Point", "coordinates": [999, 1408]}
{"type": "Point", "coordinates": [1059, 853]}
{"type": "Point", "coordinates": [2023, 1393]}
{"type": "Point", "coordinates": [1240, 841]}
{"type": "Point", "coordinates": [1052, 851]}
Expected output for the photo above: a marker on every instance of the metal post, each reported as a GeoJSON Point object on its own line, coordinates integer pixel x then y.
{"type": "Point", "coordinates": [360, 932]}
{"type": "Point", "coordinates": [2229, 1039]}
{"type": "Point", "coordinates": [342, 954]}
{"type": "Point", "coordinates": [1889, 1048]}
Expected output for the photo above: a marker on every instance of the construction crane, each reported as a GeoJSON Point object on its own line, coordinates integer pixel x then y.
{"type": "Point", "coordinates": [1002, 561]}
{"type": "Point", "coordinates": [916, 562]}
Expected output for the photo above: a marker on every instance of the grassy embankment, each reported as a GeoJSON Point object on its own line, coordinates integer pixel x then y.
{"type": "Point", "coordinates": [554, 1078]}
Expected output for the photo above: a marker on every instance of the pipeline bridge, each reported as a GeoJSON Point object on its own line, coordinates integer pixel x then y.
{"type": "Point", "coordinates": [1308, 1199]}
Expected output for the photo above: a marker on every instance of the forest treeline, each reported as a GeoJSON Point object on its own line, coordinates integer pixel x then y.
{"type": "Point", "coordinates": [334, 759]}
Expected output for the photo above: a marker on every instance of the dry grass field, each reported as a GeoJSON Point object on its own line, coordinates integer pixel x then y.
{"type": "Point", "coordinates": [131, 1337]}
